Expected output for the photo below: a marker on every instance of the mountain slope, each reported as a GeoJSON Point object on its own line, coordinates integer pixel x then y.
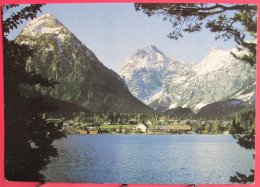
{"type": "Point", "coordinates": [179, 112]}
{"type": "Point", "coordinates": [218, 77]}
{"type": "Point", "coordinates": [84, 80]}
{"type": "Point", "coordinates": [149, 74]}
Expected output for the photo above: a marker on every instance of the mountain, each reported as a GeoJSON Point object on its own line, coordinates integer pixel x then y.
{"type": "Point", "coordinates": [163, 83]}
{"type": "Point", "coordinates": [83, 79]}
{"type": "Point", "coordinates": [148, 73]}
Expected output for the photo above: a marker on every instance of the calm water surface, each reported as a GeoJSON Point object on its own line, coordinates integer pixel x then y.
{"type": "Point", "coordinates": [148, 159]}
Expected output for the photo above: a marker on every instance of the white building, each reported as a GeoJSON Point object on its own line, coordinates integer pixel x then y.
{"type": "Point", "coordinates": [142, 127]}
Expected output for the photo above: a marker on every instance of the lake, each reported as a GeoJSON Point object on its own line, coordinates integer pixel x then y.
{"type": "Point", "coordinates": [148, 159]}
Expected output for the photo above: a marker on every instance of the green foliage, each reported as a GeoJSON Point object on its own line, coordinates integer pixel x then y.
{"type": "Point", "coordinates": [215, 128]}
{"type": "Point", "coordinates": [138, 131]}
{"type": "Point", "coordinates": [28, 137]}
{"type": "Point", "coordinates": [242, 178]}
{"type": "Point", "coordinates": [243, 130]}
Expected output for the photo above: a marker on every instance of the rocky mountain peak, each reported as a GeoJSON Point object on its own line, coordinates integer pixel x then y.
{"type": "Point", "coordinates": [146, 57]}
{"type": "Point", "coordinates": [47, 27]}
{"type": "Point", "coordinates": [150, 51]}
{"type": "Point", "coordinates": [45, 24]}
{"type": "Point", "coordinates": [147, 50]}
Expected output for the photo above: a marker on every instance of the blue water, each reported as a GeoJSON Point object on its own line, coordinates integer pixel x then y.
{"type": "Point", "coordinates": [148, 159]}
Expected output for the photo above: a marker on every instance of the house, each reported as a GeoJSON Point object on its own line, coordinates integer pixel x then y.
{"type": "Point", "coordinates": [158, 131]}
{"type": "Point", "coordinates": [141, 127]}
{"type": "Point", "coordinates": [180, 129]}
{"type": "Point", "coordinates": [184, 122]}
{"type": "Point", "coordinates": [172, 120]}
{"type": "Point", "coordinates": [83, 132]}
{"type": "Point", "coordinates": [93, 132]}
{"type": "Point", "coordinates": [161, 119]}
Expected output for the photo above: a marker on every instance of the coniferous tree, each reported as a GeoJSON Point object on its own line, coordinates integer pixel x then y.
{"type": "Point", "coordinates": [245, 136]}
{"type": "Point", "coordinates": [28, 137]}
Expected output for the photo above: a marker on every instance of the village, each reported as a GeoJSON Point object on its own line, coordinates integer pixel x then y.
{"type": "Point", "coordinates": [162, 125]}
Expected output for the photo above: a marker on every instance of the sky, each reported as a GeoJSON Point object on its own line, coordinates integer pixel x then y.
{"type": "Point", "coordinates": [114, 31]}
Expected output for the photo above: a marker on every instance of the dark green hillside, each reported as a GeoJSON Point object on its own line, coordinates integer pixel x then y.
{"type": "Point", "coordinates": [65, 108]}
{"type": "Point", "coordinates": [227, 108]}
{"type": "Point", "coordinates": [83, 79]}
{"type": "Point", "coordinates": [179, 112]}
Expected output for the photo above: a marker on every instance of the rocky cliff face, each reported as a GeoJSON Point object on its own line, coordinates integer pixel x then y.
{"type": "Point", "coordinates": [84, 80]}
{"type": "Point", "coordinates": [164, 83]}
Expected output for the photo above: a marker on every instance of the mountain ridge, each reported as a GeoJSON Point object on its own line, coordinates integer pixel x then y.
{"type": "Point", "coordinates": [189, 85]}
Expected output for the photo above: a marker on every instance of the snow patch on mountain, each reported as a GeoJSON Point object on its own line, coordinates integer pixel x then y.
{"type": "Point", "coordinates": [162, 82]}
{"type": "Point", "coordinates": [173, 105]}
{"type": "Point", "coordinates": [51, 27]}
{"type": "Point", "coordinates": [44, 24]}
{"type": "Point", "coordinates": [42, 30]}
{"type": "Point", "coordinates": [246, 95]}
